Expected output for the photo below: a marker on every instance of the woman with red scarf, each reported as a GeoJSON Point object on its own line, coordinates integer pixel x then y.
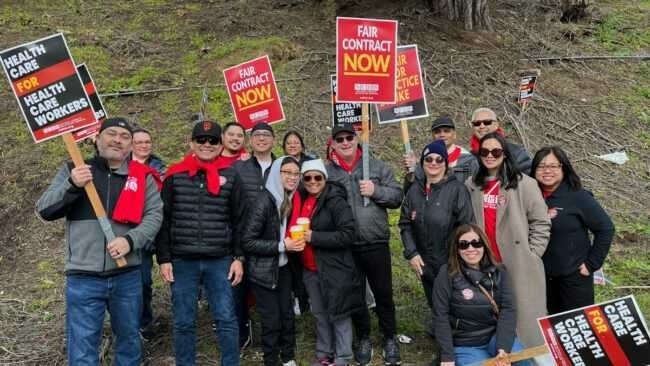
{"type": "Point", "coordinates": [329, 272]}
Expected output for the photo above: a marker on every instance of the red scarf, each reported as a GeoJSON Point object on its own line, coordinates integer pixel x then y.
{"type": "Point", "coordinates": [453, 156]}
{"type": "Point", "coordinates": [130, 204]}
{"type": "Point", "coordinates": [230, 160]}
{"type": "Point", "coordinates": [192, 165]}
{"type": "Point", "coordinates": [345, 166]}
{"type": "Point", "coordinates": [474, 144]}
{"type": "Point", "coordinates": [304, 209]}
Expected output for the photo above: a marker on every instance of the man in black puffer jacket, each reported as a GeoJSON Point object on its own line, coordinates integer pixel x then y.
{"type": "Point", "coordinates": [198, 243]}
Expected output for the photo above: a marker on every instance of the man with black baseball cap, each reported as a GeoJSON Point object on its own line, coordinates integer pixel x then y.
{"type": "Point", "coordinates": [203, 202]}
{"type": "Point", "coordinates": [94, 284]}
{"type": "Point", "coordinates": [461, 162]}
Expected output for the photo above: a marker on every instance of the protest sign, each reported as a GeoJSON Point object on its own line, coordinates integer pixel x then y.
{"type": "Point", "coordinates": [366, 60]}
{"type": "Point", "coordinates": [98, 107]}
{"type": "Point", "coordinates": [610, 333]}
{"type": "Point", "coordinates": [45, 82]}
{"type": "Point", "coordinates": [411, 100]}
{"type": "Point", "coordinates": [253, 93]}
{"type": "Point", "coordinates": [344, 113]}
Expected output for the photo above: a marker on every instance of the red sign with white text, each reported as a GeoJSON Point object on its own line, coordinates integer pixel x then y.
{"type": "Point", "coordinates": [366, 60]}
{"type": "Point", "coordinates": [253, 93]}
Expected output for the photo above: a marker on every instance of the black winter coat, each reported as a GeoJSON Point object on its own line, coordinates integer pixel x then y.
{"type": "Point", "coordinates": [252, 177]}
{"type": "Point", "coordinates": [463, 315]}
{"type": "Point", "coordinates": [427, 221]}
{"type": "Point", "coordinates": [260, 240]}
{"type": "Point", "coordinates": [333, 232]}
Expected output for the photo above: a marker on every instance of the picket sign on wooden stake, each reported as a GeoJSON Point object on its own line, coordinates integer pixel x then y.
{"type": "Point", "coordinates": [406, 140]}
{"type": "Point", "coordinates": [91, 191]}
{"type": "Point", "coordinates": [521, 355]}
{"type": "Point", "coordinates": [365, 140]}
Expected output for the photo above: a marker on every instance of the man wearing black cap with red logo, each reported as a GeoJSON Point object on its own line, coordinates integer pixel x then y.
{"type": "Point", "coordinates": [94, 283]}
{"type": "Point", "coordinates": [199, 244]}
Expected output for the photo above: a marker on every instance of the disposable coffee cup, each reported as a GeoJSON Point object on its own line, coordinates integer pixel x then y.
{"type": "Point", "coordinates": [304, 222]}
{"type": "Point", "coordinates": [297, 232]}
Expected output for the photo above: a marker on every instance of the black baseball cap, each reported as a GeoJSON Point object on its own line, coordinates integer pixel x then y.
{"type": "Point", "coordinates": [206, 128]}
{"type": "Point", "coordinates": [116, 122]}
{"type": "Point", "coordinates": [262, 126]}
{"type": "Point", "coordinates": [343, 128]}
{"type": "Point", "coordinates": [443, 121]}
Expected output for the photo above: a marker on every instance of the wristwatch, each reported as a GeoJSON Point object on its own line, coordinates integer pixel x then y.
{"type": "Point", "coordinates": [240, 258]}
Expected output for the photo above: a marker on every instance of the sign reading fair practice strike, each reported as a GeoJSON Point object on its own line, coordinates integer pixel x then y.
{"type": "Point", "coordinates": [411, 100]}
{"type": "Point", "coordinates": [98, 107]}
{"type": "Point", "coordinates": [366, 54]}
{"type": "Point", "coordinates": [253, 93]}
{"type": "Point", "coordinates": [609, 333]}
{"type": "Point", "coordinates": [44, 79]}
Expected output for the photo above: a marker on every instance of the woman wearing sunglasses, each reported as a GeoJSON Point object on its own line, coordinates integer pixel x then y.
{"type": "Point", "coordinates": [571, 257]}
{"type": "Point", "coordinates": [329, 273]}
{"type": "Point", "coordinates": [433, 207]}
{"type": "Point", "coordinates": [509, 207]}
{"type": "Point", "coordinates": [266, 240]}
{"type": "Point", "coordinates": [474, 310]}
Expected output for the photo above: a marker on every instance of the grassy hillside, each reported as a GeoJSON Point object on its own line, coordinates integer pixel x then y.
{"type": "Point", "coordinates": [589, 108]}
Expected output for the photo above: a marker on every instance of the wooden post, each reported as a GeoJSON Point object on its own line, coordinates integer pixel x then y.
{"type": "Point", "coordinates": [365, 140]}
{"type": "Point", "coordinates": [521, 355]}
{"type": "Point", "coordinates": [406, 140]}
{"type": "Point", "coordinates": [91, 191]}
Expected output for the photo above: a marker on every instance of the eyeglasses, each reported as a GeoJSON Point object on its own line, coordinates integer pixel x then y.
{"type": "Point", "coordinates": [290, 174]}
{"type": "Point", "coordinates": [209, 139]}
{"type": "Point", "coordinates": [496, 153]}
{"type": "Point", "coordinates": [142, 143]}
{"type": "Point", "coordinates": [262, 134]}
{"type": "Point", "coordinates": [347, 138]}
{"type": "Point", "coordinates": [464, 244]}
{"type": "Point", "coordinates": [542, 167]}
{"type": "Point", "coordinates": [430, 159]}
{"type": "Point", "coordinates": [485, 122]}
{"type": "Point", "coordinates": [316, 178]}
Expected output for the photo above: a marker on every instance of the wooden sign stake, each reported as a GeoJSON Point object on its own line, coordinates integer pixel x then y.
{"type": "Point", "coordinates": [521, 355]}
{"type": "Point", "coordinates": [406, 140]}
{"type": "Point", "coordinates": [365, 140]}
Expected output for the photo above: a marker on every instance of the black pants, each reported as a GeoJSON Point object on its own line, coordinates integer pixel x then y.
{"type": "Point", "coordinates": [569, 292]}
{"type": "Point", "coordinates": [241, 308]}
{"type": "Point", "coordinates": [276, 312]}
{"type": "Point", "coordinates": [375, 265]}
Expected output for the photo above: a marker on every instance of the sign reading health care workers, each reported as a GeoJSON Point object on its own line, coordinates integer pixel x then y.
{"type": "Point", "coordinates": [253, 93]}
{"type": "Point", "coordinates": [49, 91]}
{"type": "Point", "coordinates": [366, 60]}
{"type": "Point", "coordinates": [344, 113]}
{"type": "Point", "coordinates": [610, 333]}
{"type": "Point", "coordinates": [411, 100]}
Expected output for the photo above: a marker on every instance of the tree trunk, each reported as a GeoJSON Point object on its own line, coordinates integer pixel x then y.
{"type": "Point", "coordinates": [474, 14]}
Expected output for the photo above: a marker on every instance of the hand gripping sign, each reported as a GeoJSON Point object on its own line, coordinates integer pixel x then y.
{"type": "Point", "coordinates": [54, 102]}
{"type": "Point", "coordinates": [98, 107]}
{"type": "Point", "coordinates": [253, 93]}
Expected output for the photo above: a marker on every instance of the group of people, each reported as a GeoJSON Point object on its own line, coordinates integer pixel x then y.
{"type": "Point", "coordinates": [497, 240]}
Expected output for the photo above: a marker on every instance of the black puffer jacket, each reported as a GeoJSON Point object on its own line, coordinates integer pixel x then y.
{"type": "Point", "coordinates": [463, 315]}
{"type": "Point", "coordinates": [252, 177]}
{"type": "Point", "coordinates": [427, 220]}
{"type": "Point", "coordinates": [332, 236]}
{"type": "Point", "coordinates": [197, 224]}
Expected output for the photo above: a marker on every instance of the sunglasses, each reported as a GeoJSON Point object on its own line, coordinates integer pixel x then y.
{"type": "Point", "coordinates": [344, 138]}
{"type": "Point", "coordinates": [496, 153]}
{"type": "Point", "coordinates": [485, 122]}
{"type": "Point", "coordinates": [316, 178]}
{"type": "Point", "coordinates": [464, 244]}
{"type": "Point", "coordinates": [209, 139]}
{"type": "Point", "coordinates": [431, 159]}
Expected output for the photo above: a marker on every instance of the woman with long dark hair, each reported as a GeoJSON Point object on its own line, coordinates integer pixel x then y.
{"type": "Point", "coordinates": [267, 241]}
{"type": "Point", "coordinates": [509, 206]}
{"type": "Point", "coordinates": [571, 256]}
{"type": "Point", "coordinates": [474, 310]}
{"type": "Point", "coordinates": [294, 145]}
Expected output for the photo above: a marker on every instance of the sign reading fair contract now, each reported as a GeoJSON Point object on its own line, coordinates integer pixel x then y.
{"type": "Point", "coordinates": [609, 333]}
{"type": "Point", "coordinates": [253, 93]}
{"type": "Point", "coordinates": [366, 55]}
{"type": "Point", "coordinates": [44, 79]}
{"type": "Point", "coordinates": [411, 101]}
{"type": "Point", "coordinates": [98, 107]}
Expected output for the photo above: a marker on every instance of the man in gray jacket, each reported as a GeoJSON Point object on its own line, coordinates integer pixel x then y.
{"type": "Point", "coordinates": [94, 283]}
{"type": "Point", "coordinates": [370, 249]}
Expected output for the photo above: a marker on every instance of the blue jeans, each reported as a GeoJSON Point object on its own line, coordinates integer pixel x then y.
{"type": "Point", "coordinates": [213, 273]}
{"type": "Point", "coordinates": [145, 269]}
{"type": "Point", "coordinates": [87, 300]}
{"type": "Point", "coordinates": [471, 355]}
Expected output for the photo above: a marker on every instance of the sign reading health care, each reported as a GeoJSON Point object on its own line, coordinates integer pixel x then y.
{"type": "Point", "coordinates": [366, 60]}
{"type": "Point", "coordinates": [45, 82]}
{"type": "Point", "coordinates": [253, 93]}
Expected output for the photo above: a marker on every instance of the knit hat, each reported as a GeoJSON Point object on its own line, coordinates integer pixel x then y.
{"type": "Point", "coordinates": [116, 122]}
{"type": "Point", "coordinates": [316, 164]}
{"type": "Point", "coordinates": [206, 128]}
{"type": "Point", "coordinates": [262, 126]}
{"type": "Point", "coordinates": [436, 147]}
{"type": "Point", "coordinates": [443, 121]}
